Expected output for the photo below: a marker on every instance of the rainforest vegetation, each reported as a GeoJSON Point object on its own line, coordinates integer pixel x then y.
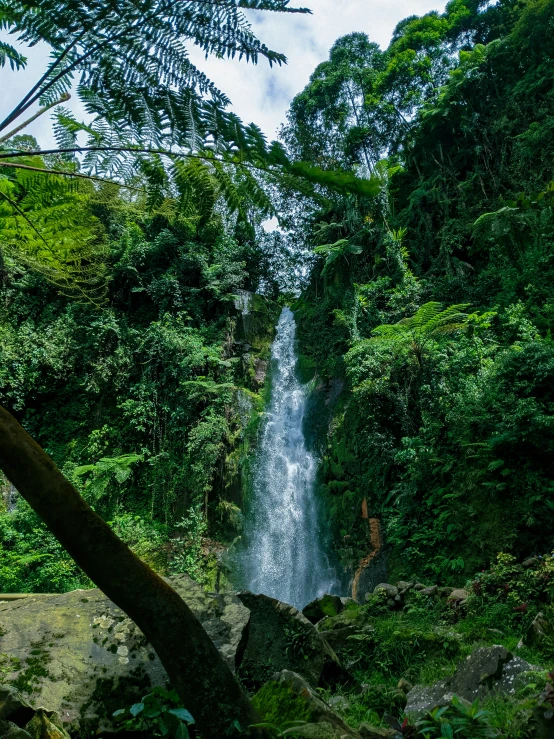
{"type": "Point", "coordinates": [414, 191]}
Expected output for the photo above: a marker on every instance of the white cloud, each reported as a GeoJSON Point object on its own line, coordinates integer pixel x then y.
{"type": "Point", "coordinates": [259, 93]}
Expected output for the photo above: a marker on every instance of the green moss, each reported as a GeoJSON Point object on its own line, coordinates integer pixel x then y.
{"type": "Point", "coordinates": [277, 703]}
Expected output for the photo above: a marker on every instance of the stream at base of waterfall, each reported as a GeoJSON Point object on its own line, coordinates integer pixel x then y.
{"type": "Point", "coordinates": [284, 555]}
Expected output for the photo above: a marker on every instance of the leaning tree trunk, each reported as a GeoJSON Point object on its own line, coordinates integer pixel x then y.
{"type": "Point", "coordinates": [195, 668]}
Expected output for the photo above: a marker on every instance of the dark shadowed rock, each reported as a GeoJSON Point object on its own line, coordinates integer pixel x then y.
{"type": "Point", "coordinates": [486, 670]}
{"type": "Point", "coordinates": [281, 638]}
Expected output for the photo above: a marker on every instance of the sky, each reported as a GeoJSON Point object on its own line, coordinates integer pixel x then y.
{"type": "Point", "coordinates": [258, 93]}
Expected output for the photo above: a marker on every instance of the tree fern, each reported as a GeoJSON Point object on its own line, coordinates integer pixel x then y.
{"type": "Point", "coordinates": [51, 230]}
{"type": "Point", "coordinates": [415, 333]}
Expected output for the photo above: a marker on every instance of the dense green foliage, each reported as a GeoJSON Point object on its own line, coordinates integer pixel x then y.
{"type": "Point", "coordinates": [136, 402]}
{"type": "Point", "coordinates": [446, 433]}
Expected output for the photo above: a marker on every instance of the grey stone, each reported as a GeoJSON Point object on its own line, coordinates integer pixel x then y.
{"type": "Point", "coordinates": [93, 658]}
{"type": "Point", "coordinates": [530, 562]}
{"type": "Point", "coordinates": [419, 586]}
{"type": "Point", "coordinates": [403, 586]}
{"type": "Point", "coordinates": [282, 638]}
{"type": "Point", "coordinates": [486, 670]}
{"type": "Point", "coordinates": [431, 590]}
{"type": "Point", "coordinates": [390, 590]}
{"type": "Point", "coordinates": [460, 595]}
{"type": "Point", "coordinates": [445, 592]}
{"type": "Point", "coordinates": [326, 605]}
{"type": "Point", "coordinates": [540, 630]}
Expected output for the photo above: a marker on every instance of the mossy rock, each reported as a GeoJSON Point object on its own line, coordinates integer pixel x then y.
{"type": "Point", "coordinates": [327, 605]}
{"type": "Point", "coordinates": [288, 698]}
{"type": "Point", "coordinates": [79, 655]}
{"type": "Point", "coordinates": [278, 703]}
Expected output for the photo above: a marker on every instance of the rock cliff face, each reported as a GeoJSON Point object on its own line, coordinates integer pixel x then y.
{"type": "Point", "coordinates": [79, 655]}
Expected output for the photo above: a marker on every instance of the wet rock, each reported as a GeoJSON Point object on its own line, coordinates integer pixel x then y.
{"type": "Point", "coordinates": [260, 371]}
{"type": "Point", "coordinates": [327, 605]}
{"type": "Point", "coordinates": [79, 655]}
{"type": "Point", "coordinates": [281, 638]}
{"type": "Point", "coordinates": [288, 697]}
{"type": "Point", "coordinates": [486, 670]}
{"type": "Point", "coordinates": [390, 590]}
{"type": "Point", "coordinates": [349, 602]}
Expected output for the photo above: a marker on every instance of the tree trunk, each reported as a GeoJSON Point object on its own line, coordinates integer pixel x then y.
{"type": "Point", "coordinates": [195, 668]}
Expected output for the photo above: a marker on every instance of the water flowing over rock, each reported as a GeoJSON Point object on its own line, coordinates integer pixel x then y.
{"type": "Point", "coordinates": [285, 557]}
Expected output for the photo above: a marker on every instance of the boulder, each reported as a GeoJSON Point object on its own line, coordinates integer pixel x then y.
{"type": "Point", "coordinates": [287, 697]}
{"type": "Point", "coordinates": [458, 595]}
{"type": "Point", "coordinates": [79, 655]}
{"type": "Point", "coordinates": [486, 670]}
{"type": "Point", "coordinates": [431, 590]}
{"type": "Point", "coordinates": [404, 586]}
{"type": "Point", "coordinates": [327, 605]}
{"type": "Point", "coordinates": [281, 638]}
{"type": "Point", "coordinates": [390, 590]}
{"type": "Point", "coordinates": [540, 630]}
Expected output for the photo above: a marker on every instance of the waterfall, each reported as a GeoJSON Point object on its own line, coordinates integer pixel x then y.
{"type": "Point", "coordinates": [284, 555]}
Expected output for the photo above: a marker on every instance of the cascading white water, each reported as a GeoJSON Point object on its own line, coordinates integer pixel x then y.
{"type": "Point", "coordinates": [284, 557]}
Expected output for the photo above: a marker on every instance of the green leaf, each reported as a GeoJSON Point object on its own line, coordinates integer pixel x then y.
{"type": "Point", "coordinates": [182, 714]}
{"type": "Point", "coordinates": [136, 709]}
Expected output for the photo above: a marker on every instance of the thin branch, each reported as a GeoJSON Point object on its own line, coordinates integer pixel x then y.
{"type": "Point", "coordinates": [16, 112]}
{"type": "Point", "coordinates": [64, 98]}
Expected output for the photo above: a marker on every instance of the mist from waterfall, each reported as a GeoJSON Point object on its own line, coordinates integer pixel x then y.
{"type": "Point", "coordinates": [284, 556]}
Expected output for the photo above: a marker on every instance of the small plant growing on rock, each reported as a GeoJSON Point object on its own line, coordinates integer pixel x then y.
{"type": "Point", "coordinates": [158, 714]}
{"type": "Point", "coordinates": [460, 719]}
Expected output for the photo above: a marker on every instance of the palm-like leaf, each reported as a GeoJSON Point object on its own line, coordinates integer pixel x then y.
{"type": "Point", "coordinates": [430, 322]}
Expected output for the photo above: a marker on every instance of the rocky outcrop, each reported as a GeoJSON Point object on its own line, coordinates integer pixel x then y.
{"type": "Point", "coordinates": [287, 697]}
{"type": "Point", "coordinates": [281, 638]}
{"type": "Point", "coordinates": [486, 670]}
{"type": "Point", "coordinates": [79, 655]}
